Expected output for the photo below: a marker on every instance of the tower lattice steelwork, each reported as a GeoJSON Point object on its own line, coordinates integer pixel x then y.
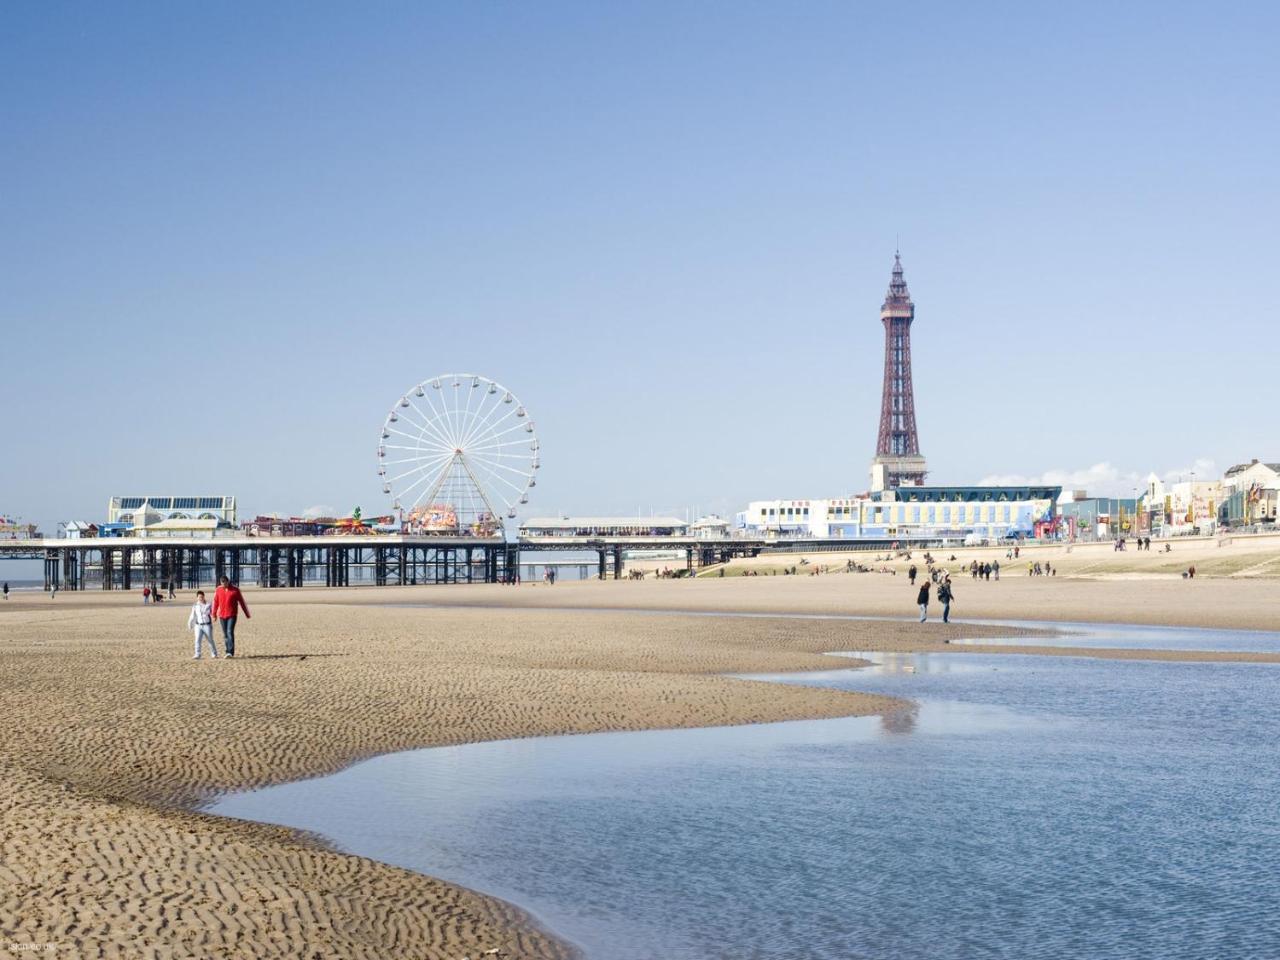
{"type": "Point", "coordinates": [898, 460]}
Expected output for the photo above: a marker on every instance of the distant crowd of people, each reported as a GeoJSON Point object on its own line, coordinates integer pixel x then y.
{"type": "Point", "coordinates": [152, 593]}
{"type": "Point", "coordinates": [1144, 543]}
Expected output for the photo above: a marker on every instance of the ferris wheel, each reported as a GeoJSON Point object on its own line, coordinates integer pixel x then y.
{"type": "Point", "coordinates": [457, 453]}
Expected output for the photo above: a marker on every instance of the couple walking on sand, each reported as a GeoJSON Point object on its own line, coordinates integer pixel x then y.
{"type": "Point", "coordinates": [945, 596]}
{"type": "Point", "coordinates": [227, 603]}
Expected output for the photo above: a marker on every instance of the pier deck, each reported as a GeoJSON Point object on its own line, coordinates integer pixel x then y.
{"type": "Point", "coordinates": [125, 563]}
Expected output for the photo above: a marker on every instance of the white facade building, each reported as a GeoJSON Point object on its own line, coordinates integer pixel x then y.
{"type": "Point", "coordinates": [1191, 506]}
{"type": "Point", "coordinates": [791, 517]}
{"type": "Point", "coordinates": [710, 527]}
{"type": "Point", "coordinates": [1244, 475]}
{"type": "Point", "coordinates": [909, 512]}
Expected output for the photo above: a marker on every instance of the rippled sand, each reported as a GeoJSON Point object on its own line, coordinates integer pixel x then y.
{"type": "Point", "coordinates": [113, 735]}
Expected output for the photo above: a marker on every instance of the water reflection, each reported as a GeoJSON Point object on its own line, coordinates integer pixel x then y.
{"type": "Point", "coordinates": [1031, 808]}
{"type": "Point", "coordinates": [900, 722]}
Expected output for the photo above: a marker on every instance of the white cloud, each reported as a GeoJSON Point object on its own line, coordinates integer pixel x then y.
{"type": "Point", "coordinates": [1105, 479]}
{"type": "Point", "coordinates": [1202, 467]}
{"type": "Point", "coordinates": [319, 510]}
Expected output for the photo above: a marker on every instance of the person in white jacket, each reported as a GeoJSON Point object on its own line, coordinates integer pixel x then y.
{"type": "Point", "coordinates": [201, 621]}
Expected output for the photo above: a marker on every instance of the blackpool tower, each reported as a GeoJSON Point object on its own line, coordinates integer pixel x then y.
{"type": "Point", "coordinates": [898, 461]}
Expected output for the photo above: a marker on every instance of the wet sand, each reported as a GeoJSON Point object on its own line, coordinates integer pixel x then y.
{"type": "Point", "coordinates": [1225, 603]}
{"type": "Point", "coordinates": [114, 736]}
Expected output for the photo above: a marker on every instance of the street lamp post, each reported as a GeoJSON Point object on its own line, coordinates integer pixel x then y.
{"type": "Point", "coordinates": [1133, 524]}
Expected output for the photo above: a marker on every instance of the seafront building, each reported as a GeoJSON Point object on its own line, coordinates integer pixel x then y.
{"type": "Point", "coordinates": [1242, 476]}
{"type": "Point", "coordinates": [1101, 518]}
{"type": "Point", "coordinates": [1249, 496]}
{"type": "Point", "coordinates": [1185, 507]}
{"type": "Point", "coordinates": [1244, 498]}
{"type": "Point", "coordinates": [911, 513]}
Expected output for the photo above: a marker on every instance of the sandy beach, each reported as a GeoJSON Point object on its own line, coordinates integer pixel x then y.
{"type": "Point", "coordinates": [115, 736]}
{"type": "Point", "coordinates": [1235, 586]}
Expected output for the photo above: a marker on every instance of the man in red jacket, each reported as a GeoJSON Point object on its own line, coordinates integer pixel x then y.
{"type": "Point", "coordinates": [226, 600]}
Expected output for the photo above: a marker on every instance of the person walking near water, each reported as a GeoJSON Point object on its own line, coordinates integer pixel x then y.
{"type": "Point", "coordinates": [922, 598]}
{"type": "Point", "coordinates": [227, 602]}
{"type": "Point", "coordinates": [201, 621]}
{"type": "Point", "coordinates": [911, 574]}
{"type": "Point", "coordinates": [6, 589]}
{"type": "Point", "coordinates": [945, 596]}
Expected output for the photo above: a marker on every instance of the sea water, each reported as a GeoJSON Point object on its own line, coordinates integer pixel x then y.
{"type": "Point", "coordinates": [1024, 807]}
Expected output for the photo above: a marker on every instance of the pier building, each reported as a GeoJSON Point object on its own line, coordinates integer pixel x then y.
{"type": "Point", "coordinates": [134, 511]}
{"type": "Point", "coordinates": [575, 527]}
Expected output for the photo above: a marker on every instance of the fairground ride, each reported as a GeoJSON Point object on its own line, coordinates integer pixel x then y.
{"type": "Point", "coordinates": [457, 454]}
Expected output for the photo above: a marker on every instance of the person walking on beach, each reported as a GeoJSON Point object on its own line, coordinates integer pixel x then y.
{"type": "Point", "coordinates": [227, 602]}
{"type": "Point", "coordinates": [922, 598]}
{"type": "Point", "coordinates": [201, 621]}
{"type": "Point", "coordinates": [945, 596]}
{"type": "Point", "coordinates": [911, 574]}
{"type": "Point", "coordinates": [146, 595]}
{"type": "Point", "coordinates": [6, 589]}
{"type": "Point", "coordinates": [995, 569]}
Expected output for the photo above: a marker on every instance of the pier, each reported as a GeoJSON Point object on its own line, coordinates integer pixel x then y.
{"type": "Point", "coordinates": [123, 563]}
{"type": "Point", "coordinates": [126, 563]}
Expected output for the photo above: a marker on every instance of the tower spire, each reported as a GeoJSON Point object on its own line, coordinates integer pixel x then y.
{"type": "Point", "coordinates": [898, 292]}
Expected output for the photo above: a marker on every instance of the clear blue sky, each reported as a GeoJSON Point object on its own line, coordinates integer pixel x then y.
{"type": "Point", "coordinates": [234, 233]}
